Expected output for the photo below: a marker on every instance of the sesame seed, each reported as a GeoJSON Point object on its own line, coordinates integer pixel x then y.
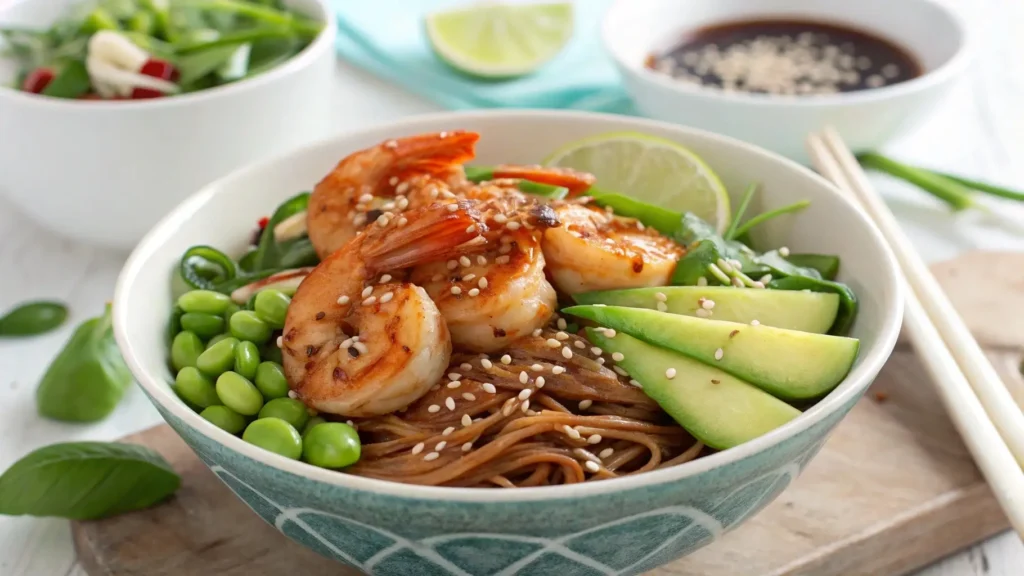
{"type": "Point", "coordinates": [367, 291]}
{"type": "Point", "coordinates": [702, 281]}
{"type": "Point", "coordinates": [385, 279]}
{"type": "Point", "coordinates": [506, 359]}
{"type": "Point", "coordinates": [670, 373]}
{"type": "Point", "coordinates": [474, 292]}
{"type": "Point", "coordinates": [431, 456]}
{"type": "Point", "coordinates": [620, 371]}
{"type": "Point", "coordinates": [466, 420]}
{"type": "Point", "coordinates": [486, 363]}
{"type": "Point", "coordinates": [280, 342]}
{"type": "Point", "coordinates": [708, 304]}
{"type": "Point", "coordinates": [468, 396]}
{"type": "Point", "coordinates": [718, 354]}
{"type": "Point", "coordinates": [635, 383]}
{"type": "Point", "coordinates": [557, 370]}
{"type": "Point", "coordinates": [466, 366]}
{"type": "Point", "coordinates": [482, 283]}
{"type": "Point", "coordinates": [343, 300]}
{"type": "Point", "coordinates": [450, 403]}
{"type": "Point", "coordinates": [600, 361]}
{"type": "Point", "coordinates": [440, 445]}
{"type": "Point", "coordinates": [388, 206]}
{"type": "Point", "coordinates": [523, 377]}
{"type": "Point", "coordinates": [391, 144]}
{"type": "Point", "coordinates": [618, 356]}
{"type": "Point", "coordinates": [510, 405]}
{"type": "Point", "coordinates": [437, 277]}
{"type": "Point", "coordinates": [448, 430]}
{"type": "Point", "coordinates": [759, 284]}
{"type": "Point", "coordinates": [453, 207]}
{"type": "Point", "coordinates": [382, 220]}
{"type": "Point", "coordinates": [566, 353]}
{"type": "Point", "coordinates": [606, 453]}
{"type": "Point", "coordinates": [660, 297]}
{"type": "Point", "coordinates": [662, 307]}
{"type": "Point", "coordinates": [596, 351]}
{"type": "Point", "coordinates": [442, 135]}
{"type": "Point", "coordinates": [369, 301]}
{"type": "Point", "coordinates": [501, 260]}
{"type": "Point", "coordinates": [360, 347]}
{"type": "Point", "coordinates": [387, 297]}
{"type": "Point", "coordinates": [600, 305]}
{"type": "Point", "coordinates": [579, 344]}
{"type": "Point", "coordinates": [489, 388]}
{"type": "Point", "coordinates": [471, 228]}
{"type": "Point", "coordinates": [452, 264]}
{"type": "Point", "coordinates": [513, 225]}
{"type": "Point", "coordinates": [500, 218]}
{"type": "Point", "coordinates": [784, 251]}
{"type": "Point", "coordinates": [366, 198]}
{"type": "Point", "coordinates": [456, 290]}
{"type": "Point", "coordinates": [401, 188]}
{"type": "Point", "coordinates": [609, 333]}
{"type": "Point", "coordinates": [537, 332]}
{"type": "Point", "coordinates": [561, 335]}
{"type": "Point", "coordinates": [465, 261]}
{"type": "Point", "coordinates": [525, 407]}
{"type": "Point", "coordinates": [594, 439]}
{"type": "Point", "coordinates": [481, 260]}
{"type": "Point", "coordinates": [467, 446]}
{"type": "Point", "coordinates": [468, 277]}
{"type": "Point", "coordinates": [418, 448]}
{"type": "Point", "coordinates": [536, 367]}
{"type": "Point", "coordinates": [702, 313]}
{"type": "Point", "coordinates": [572, 432]}
{"type": "Point", "coordinates": [347, 343]}
{"type": "Point", "coordinates": [447, 194]}
{"type": "Point", "coordinates": [540, 382]}
{"type": "Point", "coordinates": [584, 404]}
{"type": "Point", "coordinates": [293, 394]}
{"type": "Point", "coordinates": [755, 322]}
{"type": "Point", "coordinates": [523, 395]}
{"type": "Point", "coordinates": [765, 279]}
{"type": "Point", "coordinates": [433, 408]}
{"type": "Point", "coordinates": [562, 324]}
{"type": "Point", "coordinates": [455, 384]}
{"type": "Point", "coordinates": [393, 180]}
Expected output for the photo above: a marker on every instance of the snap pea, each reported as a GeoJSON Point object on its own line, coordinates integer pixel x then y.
{"type": "Point", "coordinates": [224, 418]}
{"type": "Point", "coordinates": [218, 358]}
{"type": "Point", "coordinates": [237, 393]}
{"type": "Point", "coordinates": [270, 380]}
{"type": "Point", "coordinates": [272, 306]}
{"type": "Point", "coordinates": [33, 318]}
{"type": "Point", "coordinates": [185, 350]}
{"type": "Point", "coordinates": [194, 387]}
{"type": "Point", "coordinates": [206, 301]}
{"type": "Point", "coordinates": [331, 445]}
{"type": "Point", "coordinates": [290, 410]}
{"type": "Point", "coordinates": [87, 379]}
{"type": "Point", "coordinates": [314, 421]}
{"type": "Point", "coordinates": [247, 359]}
{"type": "Point", "coordinates": [204, 325]}
{"type": "Point", "coordinates": [246, 325]}
{"type": "Point", "coordinates": [275, 435]}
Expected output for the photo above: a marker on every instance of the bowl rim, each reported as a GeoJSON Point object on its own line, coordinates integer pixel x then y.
{"type": "Point", "coordinates": [952, 67]}
{"type": "Point", "coordinates": [323, 41]}
{"type": "Point", "coordinates": [855, 383]}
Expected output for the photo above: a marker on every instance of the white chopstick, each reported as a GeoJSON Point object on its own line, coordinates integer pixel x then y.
{"type": "Point", "coordinates": [982, 409]}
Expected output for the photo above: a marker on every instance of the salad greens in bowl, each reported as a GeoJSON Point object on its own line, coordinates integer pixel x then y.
{"type": "Point", "coordinates": [664, 397]}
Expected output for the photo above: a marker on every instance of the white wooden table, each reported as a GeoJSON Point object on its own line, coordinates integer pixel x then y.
{"type": "Point", "coordinates": [979, 131]}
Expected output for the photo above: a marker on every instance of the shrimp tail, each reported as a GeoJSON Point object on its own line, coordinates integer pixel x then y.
{"type": "Point", "coordinates": [432, 233]}
{"type": "Point", "coordinates": [440, 155]}
{"type": "Point", "coordinates": [577, 182]}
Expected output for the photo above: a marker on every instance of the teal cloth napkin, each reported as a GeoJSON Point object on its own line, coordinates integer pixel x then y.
{"type": "Point", "coordinates": [386, 37]}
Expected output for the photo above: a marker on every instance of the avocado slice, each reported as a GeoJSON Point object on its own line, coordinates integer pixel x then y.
{"type": "Point", "coordinates": [787, 364]}
{"type": "Point", "coordinates": [716, 408]}
{"type": "Point", "coordinates": [793, 310]}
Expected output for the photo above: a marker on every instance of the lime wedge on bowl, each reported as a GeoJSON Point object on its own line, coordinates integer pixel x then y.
{"type": "Point", "coordinates": [500, 40]}
{"type": "Point", "coordinates": [655, 169]}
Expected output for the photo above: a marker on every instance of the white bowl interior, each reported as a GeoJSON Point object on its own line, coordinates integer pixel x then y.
{"type": "Point", "coordinates": [636, 28]}
{"type": "Point", "coordinates": [224, 214]}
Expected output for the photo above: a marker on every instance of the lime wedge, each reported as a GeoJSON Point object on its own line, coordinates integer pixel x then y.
{"type": "Point", "coordinates": [651, 169]}
{"type": "Point", "coordinates": [500, 40]}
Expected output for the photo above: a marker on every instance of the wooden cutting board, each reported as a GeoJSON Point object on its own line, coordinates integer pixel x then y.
{"type": "Point", "coordinates": [892, 490]}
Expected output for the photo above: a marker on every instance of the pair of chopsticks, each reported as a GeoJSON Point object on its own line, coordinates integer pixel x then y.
{"type": "Point", "coordinates": [982, 409]}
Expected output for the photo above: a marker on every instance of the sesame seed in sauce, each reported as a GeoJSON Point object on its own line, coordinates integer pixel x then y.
{"type": "Point", "coordinates": [670, 373]}
{"type": "Point", "coordinates": [453, 207]}
{"type": "Point", "coordinates": [489, 388]}
{"type": "Point", "coordinates": [506, 359]}
{"type": "Point", "coordinates": [620, 371]}
{"type": "Point", "coordinates": [634, 382]}
{"type": "Point", "coordinates": [343, 300]}
{"type": "Point", "coordinates": [500, 218]}
{"type": "Point", "coordinates": [433, 408]}
{"type": "Point", "coordinates": [474, 292]}
{"type": "Point", "coordinates": [468, 277]}
{"type": "Point", "coordinates": [387, 297]}
{"type": "Point", "coordinates": [606, 453]}
{"type": "Point", "coordinates": [557, 370]}
{"type": "Point", "coordinates": [524, 394]}
{"type": "Point", "coordinates": [468, 396]}
{"type": "Point", "coordinates": [452, 264]}
{"type": "Point", "coordinates": [502, 260]}
{"type": "Point", "coordinates": [456, 290]}
{"type": "Point", "coordinates": [481, 260]}
{"type": "Point", "coordinates": [702, 313]}
{"type": "Point", "coordinates": [454, 376]}
{"type": "Point", "coordinates": [449, 402]}
{"type": "Point", "coordinates": [562, 324]}
{"type": "Point", "coordinates": [523, 377]}
{"type": "Point", "coordinates": [513, 226]}
{"type": "Point", "coordinates": [454, 385]}
{"type": "Point", "coordinates": [618, 356]}
{"type": "Point", "coordinates": [359, 346]}
{"type": "Point", "coordinates": [585, 404]}
{"type": "Point", "coordinates": [431, 456]}
{"type": "Point", "coordinates": [784, 252]}
{"type": "Point", "coordinates": [594, 439]}
{"type": "Point", "coordinates": [382, 220]}
{"type": "Point", "coordinates": [440, 445]}
{"type": "Point", "coordinates": [370, 300]}
{"type": "Point", "coordinates": [566, 353]}
{"type": "Point", "coordinates": [418, 448]}
{"type": "Point", "coordinates": [367, 291]}
{"type": "Point", "coordinates": [471, 228]}
{"type": "Point", "coordinates": [466, 263]}
{"type": "Point", "coordinates": [293, 394]}
{"type": "Point", "coordinates": [525, 407]}
{"type": "Point", "coordinates": [755, 322]}
{"type": "Point", "coordinates": [510, 405]}
{"type": "Point", "coordinates": [280, 342]}
{"type": "Point", "coordinates": [579, 344]}
{"type": "Point", "coordinates": [482, 283]}
{"type": "Point", "coordinates": [536, 367]}
{"type": "Point", "coordinates": [486, 363]}
{"type": "Point", "coordinates": [437, 277]}
{"type": "Point", "coordinates": [719, 353]}
{"type": "Point", "coordinates": [448, 430]}
{"type": "Point", "coordinates": [552, 343]}
{"type": "Point", "coordinates": [385, 279]}
{"type": "Point", "coordinates": [466, 366]}
{"type": "Point", "coordinates": [388, 206]}
{"type": "Point", "coordinates": [540, 382]}
{"type": "Point", "coordinates": [366, 198]}
{"type": "Point", "coordinates": [467, 446]}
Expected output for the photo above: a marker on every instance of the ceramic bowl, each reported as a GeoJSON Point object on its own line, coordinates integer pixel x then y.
{"type": "Point", "coordinates": [930, 30]}
{"type": "Point", "coordinates": [621, 526]}
{"type": "Point", "coordinates": [106, 172]}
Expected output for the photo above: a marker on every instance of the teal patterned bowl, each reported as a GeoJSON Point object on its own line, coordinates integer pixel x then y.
{"type": "Point", "coordinates": [622, 526]}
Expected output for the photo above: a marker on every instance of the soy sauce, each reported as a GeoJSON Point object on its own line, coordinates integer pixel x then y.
{"type": "Point", "coordinates": [786, 57]}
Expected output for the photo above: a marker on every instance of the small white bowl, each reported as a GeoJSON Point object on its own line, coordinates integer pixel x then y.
{"type": "Point", "coordinates": [105, 172]}
{"type": "Point", "coordinates": [932, 32]}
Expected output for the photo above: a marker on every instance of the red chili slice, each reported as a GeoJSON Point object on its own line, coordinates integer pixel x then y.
{"type": "Point", "coordinates": [161, 69]}
{"type": "Point", "coordinates": [141, 93]}
{"type": "Point", "coordinates": [263, 222]}
{"type": "Point", "coordinates": [37, 80]}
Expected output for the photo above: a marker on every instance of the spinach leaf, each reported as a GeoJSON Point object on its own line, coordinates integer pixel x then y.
{"type": "Point", "coordinates": [33, 318]}
{"type": "Point", "coordinates": [294, 253]}
{"type": "Point", "coordinates": [86, 480]}
{"type": "Point", "coordinates": [847, 299]}
{"type": "Point", "coordinates": [196, 65]}
{"type": "Point", "coordinates": [71, 82]}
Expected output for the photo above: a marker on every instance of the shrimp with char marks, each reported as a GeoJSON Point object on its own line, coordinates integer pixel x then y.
{"type": "Point", "coordinates": [358, 341]}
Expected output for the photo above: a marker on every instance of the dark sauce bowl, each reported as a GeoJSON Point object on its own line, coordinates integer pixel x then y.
{"type": "Point", "coordinates": [873, 68]}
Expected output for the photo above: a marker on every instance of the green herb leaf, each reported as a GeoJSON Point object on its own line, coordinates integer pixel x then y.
{"type": "Point", "coordinates": [766, 216]}
{"type": "Point", "coordinates": [293, 253]}
{"type": "Point", "coordinates": [71, 82]}
{"type": "Point", "coordinates": [88, 378]}
{"type": "Point", "coordinates": [733, 231]}
{"type": "Point", "coordinates": [33, 318]}
{"type": "Point", "coordinates": [196, 65]}
{"type": "Point", "coordinates": [826, 264]}
{"type": "Point", "coordinates": [85, 481]}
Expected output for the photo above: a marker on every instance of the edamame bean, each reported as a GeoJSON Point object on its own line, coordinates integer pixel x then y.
{"type": "Point", "coordinates": [246, 325]}
{"type": "Point", "coordinates": [195, 387]}
{"type": "Point", "coordinates": [203, 324]}
{"type": "Point", "coordinates": [315, 420]}
{"type": "Point", "coordinates": [275, 435]}
{"type": "Point", "coordinates": [271, 352]}
{"type": "Point", "coordinates": [185, 349]}
{"type": "Point", "coordinates": [271, 381]}
{"type": "Point", "coordinates": [331, 445]}
{"type": "Point", "coordinates": [247, 359]}
{"type": "Point", "coordinates": [216, 339]}
{"type": "Point", "coordinates": [239, 394]}
{"type": "Point", "coordinates": [224, 418]}
{"type": "Point", "coordinates": [288, 409]}
{"type": "Point", "coordinates": [272, 306]}
{"type": "Point", "coordinates": [206, 301]}
{"type": "Point", "coordinates": [218, 358]}
{"type": "Point", "coordinates": [230, 311]}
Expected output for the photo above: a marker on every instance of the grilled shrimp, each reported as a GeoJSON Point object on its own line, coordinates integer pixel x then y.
{"type": "Point", "coordinates": [358, 340]}
{"type": "Point", "coordinates": [375, 183]}
{"type": "Point", "coordinates": [596, 250]}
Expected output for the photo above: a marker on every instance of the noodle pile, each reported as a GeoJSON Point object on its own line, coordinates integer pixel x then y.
{"type": "Point", "coordinates": [540, 419]}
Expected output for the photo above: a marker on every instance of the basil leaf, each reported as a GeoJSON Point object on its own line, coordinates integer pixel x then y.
{"type": "Point", "coordinates": [85, 481]}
